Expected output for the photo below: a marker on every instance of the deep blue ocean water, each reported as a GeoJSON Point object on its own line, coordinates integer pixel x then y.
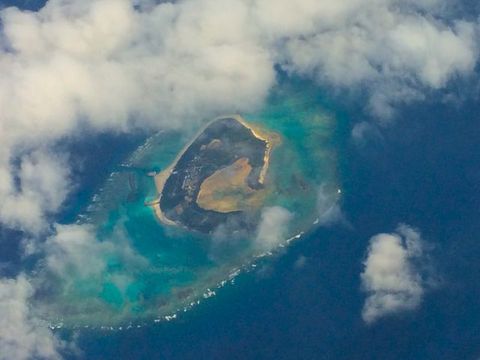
{"type": "Point", "coordinates": [424, 171]}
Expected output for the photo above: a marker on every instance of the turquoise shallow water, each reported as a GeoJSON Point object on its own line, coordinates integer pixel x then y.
{"type": "Point", "coordinates": [147, 271]}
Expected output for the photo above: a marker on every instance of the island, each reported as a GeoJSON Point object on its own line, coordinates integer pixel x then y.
{"type": "Point", "coordinates": [218, 179]}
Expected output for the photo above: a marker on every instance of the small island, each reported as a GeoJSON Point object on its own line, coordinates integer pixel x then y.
{"type": "Point", "coordinates": [218, 179]}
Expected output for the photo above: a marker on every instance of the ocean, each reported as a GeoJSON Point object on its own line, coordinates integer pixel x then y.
{"type": "Point", "coordinates": [305, 303]}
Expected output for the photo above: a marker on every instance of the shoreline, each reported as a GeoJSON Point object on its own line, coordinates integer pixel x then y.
{"type": "Point", "coordinates": [270, 142]}
{"type": "Point", "coordinates": [163, 175]}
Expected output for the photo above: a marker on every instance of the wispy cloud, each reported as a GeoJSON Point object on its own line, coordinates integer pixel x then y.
{"type": "Point", "coordinates": [328, 207]}
{"type": "Point", "coordinates": [273, 227]}
{"type": "Point", "coordinates": [43, 182]}
{"type": "Point", "coordinates": [22, 336]}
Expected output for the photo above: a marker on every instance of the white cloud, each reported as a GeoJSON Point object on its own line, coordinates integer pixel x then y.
{"type": "Point", "coordinates": [273, 227]}
{"type": "Point", "coordinates": [431, 50]}
{"type": "Point", "coordinates": [393, 49]}
{"type": "Point", "coordinates": [395, 276]}
{"type": "Point", "coordinates": [22, 336]}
